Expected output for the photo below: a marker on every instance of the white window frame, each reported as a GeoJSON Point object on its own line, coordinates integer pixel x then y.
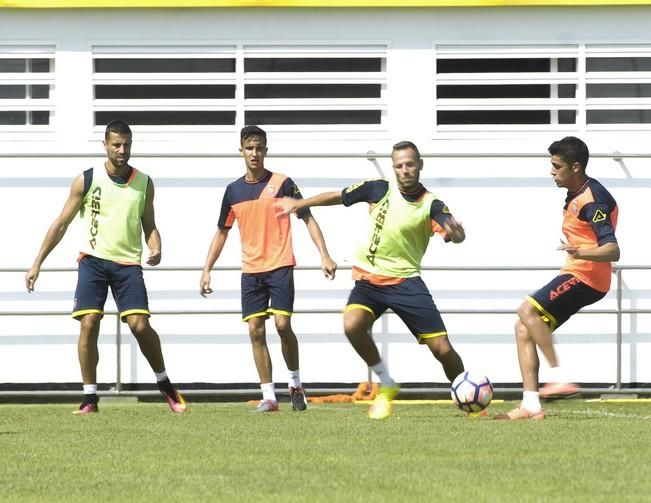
{"type": "Point", "coordinates": [136, 51]}
{"type": "Point", "coordinates": [312, 50]}
{"type": "Point", "coordinates": [617, 51]}
{"type": "Point", "coordinates": [553, 78]}
{"type": "Point", "coordinates": [29, 51]}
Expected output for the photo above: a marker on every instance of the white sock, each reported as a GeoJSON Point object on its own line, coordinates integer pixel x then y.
{"type": "Point", "coordinates": [295, 379]}
{"type": "Point", "coordinates": [531, 401]}
{"type": "Point", "coordinates": [382, 372]}
{"type": "Point", "coordinates": [90, 389]}
{"type": "Point", "coordinates": [556, 374]}
{"type": "Point", "coordinates": [161, 376]}
{"type": "Point", "coordinates": [268, 391]}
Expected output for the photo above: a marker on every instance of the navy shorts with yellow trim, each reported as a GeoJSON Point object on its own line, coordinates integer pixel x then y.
{"type": "Point", "coordinates": [563, 297]}
{"type": "Point", "coordinates": [410, 300]}
{"type": "Point", "coordinates": [95, 276]}
{"type": "Point", "coordinates": [265, 293]}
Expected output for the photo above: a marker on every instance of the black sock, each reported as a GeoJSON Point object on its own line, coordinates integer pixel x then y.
{"type": "Point", "coordinates": [92, 398]}
{"type": "Point", "coordinates": [166, 387]}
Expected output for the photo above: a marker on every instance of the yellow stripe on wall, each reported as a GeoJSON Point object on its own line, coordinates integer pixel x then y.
{"type": "Point", "coordinates": [107, 4]}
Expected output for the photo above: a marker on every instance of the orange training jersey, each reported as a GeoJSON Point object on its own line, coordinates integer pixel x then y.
{"type": "Point", "coordinates": [266, 239]}
{"type": "Point", "coordinates": [589, 220]}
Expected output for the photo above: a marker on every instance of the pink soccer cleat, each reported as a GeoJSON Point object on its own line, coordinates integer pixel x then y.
{"type": "Point", "coordinates": [176, 402]}
{"type": "Point", "coordinates": [86, 408]}
{"type": "Point", "coordinates": [521, 413]}
{"type": "Point", "coordinates": [559, 390]}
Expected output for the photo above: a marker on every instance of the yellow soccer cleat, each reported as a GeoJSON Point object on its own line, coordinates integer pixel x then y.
{"type": "Point", "coordinates": [381, 407]}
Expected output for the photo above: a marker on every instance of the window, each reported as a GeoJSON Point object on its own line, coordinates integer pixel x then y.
{"type": "Point", "coordinates": [226, 87]}
{"type": "Point", "coordinates": [26, 85]}
{"type": "Point", "coordinates": [493, 88]}
{"type": "Point", "coordinates": [165, 86]}
{"type": "Point", "coordinates": [618, 87]}
{"type": "Point", "coordinates": [315, 87]}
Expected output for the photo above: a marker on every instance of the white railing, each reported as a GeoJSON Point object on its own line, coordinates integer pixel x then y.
{"type": "Point", "coordinates": [618, 312]}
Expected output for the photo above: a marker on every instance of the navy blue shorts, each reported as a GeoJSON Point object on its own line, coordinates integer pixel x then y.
{"type": "Point", "coordinates": [96, 275]}
{"type": "Point", "coordinates": [410, 300]}
{"type": "Point", "coordinates": [265, 293]}
{"type": "Point", "coordinates": [562, 297]}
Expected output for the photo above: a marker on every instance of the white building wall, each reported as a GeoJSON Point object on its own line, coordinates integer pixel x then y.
{"type": "Point", "coordinates": [509, 205]}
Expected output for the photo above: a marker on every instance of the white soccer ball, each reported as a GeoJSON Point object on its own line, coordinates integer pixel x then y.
{"type": "Point", "coordinates": [471, 392]}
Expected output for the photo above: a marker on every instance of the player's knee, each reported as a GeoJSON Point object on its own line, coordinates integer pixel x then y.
{"type": "Point", "coordinates": [352, 328]}
{"type": "Point", "coordinates": [283, 325]}
{"type": "Point", "coordinates": [521, 331]}
{"type": "Point", "coordinates": [257, 334]}
{"type": "Point", "coordinates": [357, 323]}
{"type": "Point", "coordinates": [139, 325]}
{"type": "Point", "coordinates": [439, 346]}
{"type": "Point", "coordinates": [526, 312]}
{"type": "Point", "coordinates": [90, 324]}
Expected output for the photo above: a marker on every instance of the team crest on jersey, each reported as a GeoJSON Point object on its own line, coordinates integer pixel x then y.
{"type": "Point", "coordinates": [575, 208]}
{"type": "Point", "coordinates": [270, 188]}
{"type": "Point", "coordinates": [599, 216]}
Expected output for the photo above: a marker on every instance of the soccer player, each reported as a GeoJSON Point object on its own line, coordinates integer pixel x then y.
{"type": "Point", "coordinates": [267, 261]}
{"type": "Point", "coordinates": [403, 216]}
{"type": "Point", "coordinates": [116, 206]}
{"type": "Point", "coordinates": [589, 221]}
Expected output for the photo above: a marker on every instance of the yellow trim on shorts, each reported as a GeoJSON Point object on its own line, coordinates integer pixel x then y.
{"type": "Point", "coordinates": [278, 311]}
{"type": "Point", "coordinates": [70, 4]}
{"type": "Point", "coordinates": [421, 337]}
{"type": "Point", "coordinates": [544, 314]}
{"type": "Point", "coordinates": [350, 307]}
{"type": "Point", "coordinates": [256, 315]}
{"type": "Point", "coordinates": [83, 312]}
{"type": "Point", "coordinates": [126, 313]}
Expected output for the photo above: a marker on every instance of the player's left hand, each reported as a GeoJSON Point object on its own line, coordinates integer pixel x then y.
{"type": "Point", "coordinates": [454, 230]}
{"type": "Point", "coordinates": [30, 278]}
{"type": "Point", "coordinates": [569, 248]}
{"type": "Point", "coordinates": [329, 268]}
{"type": "Point", "coordinates": [154, 257]}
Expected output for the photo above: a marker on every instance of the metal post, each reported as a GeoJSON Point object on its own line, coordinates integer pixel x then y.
{"type": "Point", "coordinates": [618, 384]}
{"type": "Point", "coordinates": [118, 353]}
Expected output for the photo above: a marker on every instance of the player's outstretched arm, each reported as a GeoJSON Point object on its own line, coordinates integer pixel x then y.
{"type": "Point", "coordinates": [152, 236]}
{"type": "Point", "coordinates": [215, 250]}
{"type": "Point", "coordinates": [328, 266]}
{"type": "Point", "coordinates": [57, 230]}
{"type": "Point", "coordinates": [607, 252]}
{"type": "Point", "coordinates": [288, 205]}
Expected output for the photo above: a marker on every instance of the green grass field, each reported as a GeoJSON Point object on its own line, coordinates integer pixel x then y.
{"type": "Point", "coordinates": [584, 451]}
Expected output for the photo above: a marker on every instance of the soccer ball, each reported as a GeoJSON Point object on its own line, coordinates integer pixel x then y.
{"type": "Point", "coordinates": [471, 392]}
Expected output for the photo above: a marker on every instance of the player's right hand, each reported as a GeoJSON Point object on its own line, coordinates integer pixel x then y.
{"type": "Point", "coordinates": [204, 285]}
{"type": "Point", "coordinates": [284, 206]}
{"type": "Point", "coordinates": [30, 278]}
{"type": "Point", "coordinates": [329, 268]}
